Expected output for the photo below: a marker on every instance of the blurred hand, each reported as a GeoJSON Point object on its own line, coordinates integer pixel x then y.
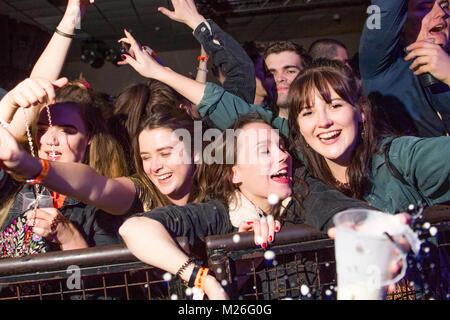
{"type": "Point", "coordinates": [429, 57]}
{"type": "Point", "coordinates": [185, 11]}
{"type": "Point", "coordinates": [81, 4]}
{"type": "Point", "coordinates": [264, 230]}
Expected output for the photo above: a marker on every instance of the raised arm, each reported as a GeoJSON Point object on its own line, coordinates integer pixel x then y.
{"type": "Point", "coordinates": [51, 61]}
{"type": "Point", "coordinates": [225, 51]}
{"type": "Point", "coordinates": [380, 40]}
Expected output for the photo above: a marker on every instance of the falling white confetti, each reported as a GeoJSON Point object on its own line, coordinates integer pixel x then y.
{"type": "Point", "coordinates": [174, 297]}
{"type": "Point", "coordinates": [433, 231]}
{"type": "Point", "coordinates": [273, 199]}
{"type": "Point", "coordinates": [328, 292]}
{"type": "Point", "coordinates": [167, 276]}
{"type": "Point", "coordinates": [236, 238]}
{"type": "Point", "coordinates": [219, 270]}
{"type": "Point", "coordinates": [269, 255]}
{"type": "Point", "coordinates": [426, 225]}
{"type": "Point", "coordinates": [189, 292]}
{"type": "Point", "coordinates": [224, 283]}
{"type": "Point", "coordinates": [304, 289]}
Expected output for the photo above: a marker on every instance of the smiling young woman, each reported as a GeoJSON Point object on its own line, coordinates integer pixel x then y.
{"type": "Point", "coordinates": [331, 123]}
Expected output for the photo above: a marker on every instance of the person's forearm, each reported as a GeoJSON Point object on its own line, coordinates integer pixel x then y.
{"type": "Point", "coordinates": [80, 181]}
{"type": "Point", "coordinates": [51, 61]}
{"type": "Point", "coordinates": [150, 242]}
{"type": "Point", "coordinates": [189, 88]}
{"type": "Point", "coordinates": [74, 241]}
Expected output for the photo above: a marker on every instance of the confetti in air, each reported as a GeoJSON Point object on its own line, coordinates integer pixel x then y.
{"type": "Point", "coordinates": [273, 199]}
{"type": "Point", "coordinates": [269, 255]}
{"type": "Point", "coordinates": [167, 276]}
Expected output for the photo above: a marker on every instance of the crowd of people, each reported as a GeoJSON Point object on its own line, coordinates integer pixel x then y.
{"type": "Point", "coordinates": [177, 156]}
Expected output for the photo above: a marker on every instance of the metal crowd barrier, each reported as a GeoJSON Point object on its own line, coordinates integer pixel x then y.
{"type": "Point", "coordinates": [298, 265]}
{"type": "Point", "coordinates": [98, 273]}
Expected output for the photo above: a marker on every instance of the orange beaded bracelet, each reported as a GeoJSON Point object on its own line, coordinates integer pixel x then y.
{"type": "Point", "coordinates": [202, 58]}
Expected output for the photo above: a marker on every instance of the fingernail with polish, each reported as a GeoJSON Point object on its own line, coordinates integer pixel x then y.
{"type": "Point", "coordinates": [123, 57]}
{"type": "Point", "coordinates": [249, 223]}
{"type": "Point", "coordinates": [264, 245]}
{"type": "Point", "coordinates": [270, 238]}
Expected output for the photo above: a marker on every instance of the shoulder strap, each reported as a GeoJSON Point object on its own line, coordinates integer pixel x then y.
{"type": "Point", "coordinates": [392, 169]}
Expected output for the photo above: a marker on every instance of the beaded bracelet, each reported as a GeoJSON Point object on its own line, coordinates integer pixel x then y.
{"type": "Point", "coordinates": [202, 69]}
{"type": "Point", "coordinates": [4, 124]}
{"type": "Point", "coordinates": [202, 58]}
{"type": "Point", "coordinates": [184, 266]}
{"type": "Point", "coordinates": [43, 174]}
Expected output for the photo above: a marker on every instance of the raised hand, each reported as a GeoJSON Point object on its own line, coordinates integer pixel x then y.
{"type": "Point", "coordinates": [429, 57]}
{"type": "Point", "coordinates": [185, 11]}
{"type": "Point", "coordinates": [264, 230]}
{"type": "Point", "coordinates": [140, 58]}
{"type": "Point", "coordinates": [31, 92]}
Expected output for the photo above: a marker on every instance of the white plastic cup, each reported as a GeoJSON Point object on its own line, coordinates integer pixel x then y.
{"type": "Point", "coordinates": [364, 253]}
{"type": "Point", "coordinates": [29, 200]}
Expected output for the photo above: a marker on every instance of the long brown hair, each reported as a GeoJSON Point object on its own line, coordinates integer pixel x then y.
{"type": "Point", "coordinates": [95, 111]}
{"type": "Point", "coordinates": [319, 77]}
{"type": "Point", "coordinates": [135, 104]}
{"type": "Point", "coordinates": [174, 118]}
{"type": "Point", "coordinates": [216, 178]}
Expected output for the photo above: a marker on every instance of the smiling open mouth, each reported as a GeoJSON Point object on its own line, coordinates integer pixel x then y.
{"type": "Point", "coordinates": [281, 176]}
{"type": "Point", "coordinates": [53, 155]}
{"type": "Point", "coordinates": [164, 178]}
{"type": "Point", "coordinates": [439, 28]}
{"type": "Point", "coordinates": [329, 135]}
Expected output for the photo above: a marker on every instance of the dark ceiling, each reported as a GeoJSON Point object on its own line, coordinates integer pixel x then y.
{"type": "Point", "coordinates": [244, 20]}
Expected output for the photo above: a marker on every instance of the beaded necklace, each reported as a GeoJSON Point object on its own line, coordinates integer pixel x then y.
{"type": "Point", "coordinates": [39, 189]}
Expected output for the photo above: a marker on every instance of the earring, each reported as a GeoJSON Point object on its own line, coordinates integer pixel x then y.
{"type": "Point", "coordinates": [363, 130]}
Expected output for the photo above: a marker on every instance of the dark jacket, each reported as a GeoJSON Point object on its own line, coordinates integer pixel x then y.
{"type": "Point", "coordinates": [229, 55]}
{"type": "Point", "coordinates": [196, 221]}
{"type": "Point", "coordinates": [388, 81]}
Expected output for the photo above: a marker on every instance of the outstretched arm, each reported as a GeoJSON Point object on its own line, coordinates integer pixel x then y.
{"type": "Point", "coordinates": [148, 67]}
{"type": "Point", "coordinates": [226, 52]}
{"type": "Point", "coordinates": [150, 242]}
{"type": "Point", "coordinates": [51, 61]}
{"type": "Point", "coordinates": [77, 180]}
{"type": "Point", "coordinates": [380, 39]}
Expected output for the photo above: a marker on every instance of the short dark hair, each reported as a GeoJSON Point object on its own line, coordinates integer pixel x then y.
{"type": "Point", "coordinates": [281, 46]}
{"type": "Point", "coordinates": [325, 48]}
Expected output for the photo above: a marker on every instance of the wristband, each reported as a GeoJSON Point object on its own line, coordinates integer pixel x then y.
{"type": "Point", "coordinates": [193, 276]}
{"type": "Point", "coordinates": [202, 69]}
{"type": "Point", "coordinates": [67, 35]}
{"type": "Point", "coordinates": [4, 124]}
{"type": "Point", "coordinates": [202, 58]}
{"type": "Point", "coordinates": [43, 174]}
{"type": "Point", "coordinates": [184, 266]}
